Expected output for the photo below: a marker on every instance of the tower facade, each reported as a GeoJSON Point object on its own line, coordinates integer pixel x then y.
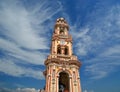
{"type": "Point", "coordinates": [62, 67]}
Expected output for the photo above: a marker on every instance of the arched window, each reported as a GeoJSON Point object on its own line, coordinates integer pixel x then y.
{"type": "Point", "coordinates": [64, 82]}
{"type": "Point", "coordinates": [61, 30]}
{"type": "Point", "coordinates": [58, 50]}
{"type": "Point", "coordinates": [66, 50]}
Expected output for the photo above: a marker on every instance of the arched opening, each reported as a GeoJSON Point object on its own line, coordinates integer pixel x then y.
{"type": "Point", "coordinates": [66, 50]}
{"type": "Point", "coordinates": [61, 30]}
{"type": "Point", "coordinates": [63, 82]}
{"type": "Point", "coordinates": [58, 50]}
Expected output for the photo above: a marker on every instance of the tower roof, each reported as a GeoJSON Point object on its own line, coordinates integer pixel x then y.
{"type": "Point", "coordinates": [62, 23]}
{"type": "Point", "coordinates": [61, 19]}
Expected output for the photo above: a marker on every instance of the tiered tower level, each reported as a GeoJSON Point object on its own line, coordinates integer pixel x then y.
{"type": "Point", "coordinates": [62, 67]}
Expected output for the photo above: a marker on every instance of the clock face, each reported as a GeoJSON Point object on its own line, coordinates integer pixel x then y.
{"type": "Point", "coordinates": [62, 42]}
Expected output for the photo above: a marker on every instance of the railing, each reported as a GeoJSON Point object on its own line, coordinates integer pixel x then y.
{"type": "Point", "coordinates": [62, 36]}
{"type": "Point", "coordinates": [63, 57]}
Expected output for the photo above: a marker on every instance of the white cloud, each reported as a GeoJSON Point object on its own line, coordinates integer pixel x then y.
{"type": "Point", "coordinates": [12, 49]}
{"type": "Point", "coordinates": [85, 91]}
{"type": "Point", "coordinates": [24, 35]}
{"type": "Point", "coordinates": [19, 90]}
{"type": "Point", "coordinates": [99, 40]}
{"type": "Point", "coordinates": [18, 71]}
{"type": "Point", "coordinates": [82, 40]}
{"type": "Point", "coordinates": [17, 24]}
{"type": "Point", "coordinates": [26, 90]}
{"type": "Point", "coordinates": [104, 64]}
{"type": "Point", "coordinates": [112, 51]}
{"type": "Point", "coordinates": [88, 90]}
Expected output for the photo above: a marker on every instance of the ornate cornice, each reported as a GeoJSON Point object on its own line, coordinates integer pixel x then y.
{"type": "Point", "coordinates": [58, 37]}
{"type": "Point", "coordinates": [61, 22]}
{"type": "Point", "coordinates": [62, 62]}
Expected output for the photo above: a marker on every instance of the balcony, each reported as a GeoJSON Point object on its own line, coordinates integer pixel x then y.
{"type": "Point", "coordinates": [63, 59]}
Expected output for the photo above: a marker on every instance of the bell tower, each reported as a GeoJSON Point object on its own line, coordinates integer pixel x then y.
{"type": "Point", "coordinates": [62, 67]}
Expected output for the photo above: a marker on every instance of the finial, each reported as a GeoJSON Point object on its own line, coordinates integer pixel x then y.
{"type": "Point", "coordinates": [61, 22]}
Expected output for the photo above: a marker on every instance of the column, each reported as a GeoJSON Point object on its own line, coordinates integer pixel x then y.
{"type": "Point", "coordinates": [70, 86]}
{"type": "Point", "coordinates": [62, 50]}
{"type": "Point", "coordinates": [57, 82]}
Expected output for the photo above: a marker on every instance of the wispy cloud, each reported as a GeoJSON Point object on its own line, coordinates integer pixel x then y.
{"type": "Point", "coordinates": [82, 40]}
{"type": "Point", "coordinates": [21, 25]}
{"type": "Point", "coordinates": [98, 41]}
{"type": "Point", "coordinates": [24, 35]}
{"type": "Point", "coordinates": [104, 64]}
{"type": "Point", "coordinates": [18, 71]}
{"type": "Point", "coordinates": [19, 90]}
{"type": "Point", "coordinates": [27, 56]}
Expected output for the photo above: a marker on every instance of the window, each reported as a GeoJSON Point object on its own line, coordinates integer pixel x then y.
{"type": "Point", "coordinates": [64, 82]}
{"type": "Point", "coordinates": [61, 30]}
{"type": "Point", "coordinates": [58, 50]}
{"type": "Point", "coordinates": [66, 50]}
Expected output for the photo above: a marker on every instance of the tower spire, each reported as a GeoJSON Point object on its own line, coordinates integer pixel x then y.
{"type": "Point", "coordinates": [61, 40]}
{"type": "Point", "coordinates": [62, 67]}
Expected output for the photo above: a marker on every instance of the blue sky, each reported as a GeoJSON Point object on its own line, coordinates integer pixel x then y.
{"type": "Point", "coordinates": [26, 28]}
